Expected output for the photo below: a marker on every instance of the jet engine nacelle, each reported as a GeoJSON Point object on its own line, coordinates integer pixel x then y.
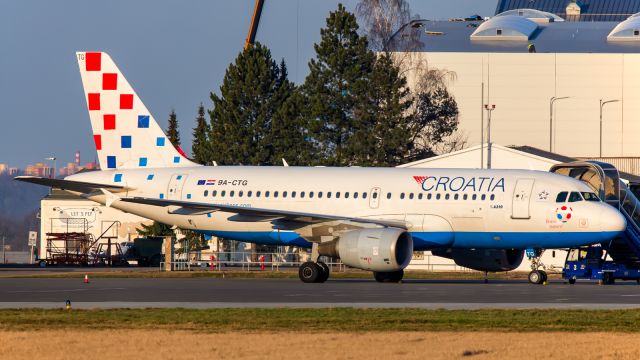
{"type": "Point", "coordinates": [484, 259]}
{"type": "Point", "coordinates": [381, 250]}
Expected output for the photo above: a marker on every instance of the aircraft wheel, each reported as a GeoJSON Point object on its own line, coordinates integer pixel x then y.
{"type": "Point", "coordinates": [325, 272]}
{"type": "Point", "coordinates": [310, 272]}
{"type": "Point", "coordinates": [544, 276]}
{"type": "Point", "coordinates": [535, 277]}
{"type": "Point", "coordinates": [572, 281]}
{"type": "Point", "coordinates": [391, 277]}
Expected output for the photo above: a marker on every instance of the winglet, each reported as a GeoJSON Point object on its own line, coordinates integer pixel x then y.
{"type": "Point", "coordinates": [284, 163]}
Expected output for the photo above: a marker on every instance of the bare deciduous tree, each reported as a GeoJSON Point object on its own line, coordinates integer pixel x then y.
{"type": "Point", "coordinates": [381, 19]}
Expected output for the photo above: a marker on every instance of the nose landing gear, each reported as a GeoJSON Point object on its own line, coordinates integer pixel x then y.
{"type": "Point", "coordinates": [537, 274]}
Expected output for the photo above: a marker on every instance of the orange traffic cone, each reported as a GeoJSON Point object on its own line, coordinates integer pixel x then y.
{"type": "Point", "coordinates": [86, 278]}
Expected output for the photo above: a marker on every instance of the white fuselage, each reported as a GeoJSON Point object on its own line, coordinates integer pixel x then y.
{"type": "Point", "coordinates": [461, 208]}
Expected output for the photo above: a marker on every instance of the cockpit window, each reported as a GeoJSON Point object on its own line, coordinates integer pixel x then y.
{"type": "Point", "coordinates": [589, 196]}
{"type": "Point", "coordinates": [575, 196]}
{"type": "Point", "coordinates": [562, 197]}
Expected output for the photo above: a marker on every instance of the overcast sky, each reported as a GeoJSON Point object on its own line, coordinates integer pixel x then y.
{"type": "Point", "coordinates": [174, 53]}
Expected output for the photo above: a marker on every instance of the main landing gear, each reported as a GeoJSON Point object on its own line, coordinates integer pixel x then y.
{"type": "Point", "coordinates": [313, 272]}
{"type": "Point", "coordinates": [537, 275]}
{"type": "Point", "coordinates": [390, 277]}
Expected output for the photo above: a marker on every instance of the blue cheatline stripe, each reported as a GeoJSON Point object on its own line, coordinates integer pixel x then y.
{"type": "Point", "coordinates": [431, 240]}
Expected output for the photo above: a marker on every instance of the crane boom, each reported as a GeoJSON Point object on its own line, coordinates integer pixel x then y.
{"type": "Point", "coordinates": [255, 20]}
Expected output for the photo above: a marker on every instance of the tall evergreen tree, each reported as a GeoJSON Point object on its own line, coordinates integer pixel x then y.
{"type": "Point", "coordinates": [200, 147]}
{"type": "Point", "coordinates": [337, 82]}
{"type": "Point", "coordinates": [253, 90]}
{"type": "Point", "coordinates": [155, 229]}
{"type": "Point", "coordinates": [172, 130]}
{"type": "Point", "coordinates": [386, 136]}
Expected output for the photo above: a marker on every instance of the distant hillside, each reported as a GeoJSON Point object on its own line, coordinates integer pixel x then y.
{"type": "Point", "coordinates": [19, 203]}
{"type": "Point", "coordinates": [18, 199]}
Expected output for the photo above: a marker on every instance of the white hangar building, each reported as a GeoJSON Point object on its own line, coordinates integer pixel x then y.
{"type": "Point", "coordinates": [577, 95]}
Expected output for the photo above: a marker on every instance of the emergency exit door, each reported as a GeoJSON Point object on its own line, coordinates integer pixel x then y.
{"type": "Point", "coordinates": [521, 199]}
{"type": "Point", "coordinates": [174, 191]}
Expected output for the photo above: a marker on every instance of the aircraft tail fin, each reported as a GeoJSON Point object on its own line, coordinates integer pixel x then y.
{"type": "Point", "coordinates": [126, 135]}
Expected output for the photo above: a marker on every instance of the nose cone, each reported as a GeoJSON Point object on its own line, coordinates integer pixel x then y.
{"type": "Point", "coordinates": [612, 223]}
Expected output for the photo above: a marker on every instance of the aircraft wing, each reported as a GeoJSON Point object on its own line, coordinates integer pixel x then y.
{"type": "Point", "coordinates": [80, 186]}
{"type": "Point", "coordinates": [264, 214]}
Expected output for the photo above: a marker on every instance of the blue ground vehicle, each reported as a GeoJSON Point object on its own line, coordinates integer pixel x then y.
{"type": "Point", "coordinates": [620, 258]}
{"type": "Point", "coordinates": [592, 263]}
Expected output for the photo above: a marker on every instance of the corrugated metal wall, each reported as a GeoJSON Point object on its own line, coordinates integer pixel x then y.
{"type": "Point", "coordinates": [592, 10]}
{"type": "Point", "coordinates": [629, 165]}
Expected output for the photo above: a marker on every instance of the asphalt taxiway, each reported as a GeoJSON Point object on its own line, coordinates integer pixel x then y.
{"type": "Point", "coordinates": [272, 293]}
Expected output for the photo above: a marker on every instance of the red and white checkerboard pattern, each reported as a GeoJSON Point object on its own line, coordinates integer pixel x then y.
{"type": "Point", "coordinates": [124, 132]}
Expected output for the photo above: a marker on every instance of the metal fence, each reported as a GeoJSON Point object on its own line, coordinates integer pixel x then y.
{"type": "Point", "coordinates": [252, 261]}
{"type": "Point", "coordinates": [247, 261]}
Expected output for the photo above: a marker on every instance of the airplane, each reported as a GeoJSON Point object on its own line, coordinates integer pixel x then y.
{"type": "Point", "coordinates": [371, 218]}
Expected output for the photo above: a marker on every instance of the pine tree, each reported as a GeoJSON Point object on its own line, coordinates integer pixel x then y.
{"type": "Point", "coordinates": [155, 229]}
{"type": "Point", "coordinates": [253, 90]}
{"type": "Point", "coordinates": [337, 82]}
{"type": "Point", "coordinates": [388, 135]}
{"type": "Point", "coordinates": [200, 147]}
{"type": "Point", "coordinates": [172, 130]}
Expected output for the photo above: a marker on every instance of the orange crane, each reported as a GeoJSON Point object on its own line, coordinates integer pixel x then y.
{"type": "Point", "coordinates": [255, 20]}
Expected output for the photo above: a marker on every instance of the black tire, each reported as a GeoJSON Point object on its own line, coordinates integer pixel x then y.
{"type": "Point", "coordinates": [535, 277]}
{"type": "Point", "coordinates": [572, 281]}
{"type": "Point", "coordinates": [325, 272]}
{"type": "Point", "coordinates": [544, 276]}
{"type": "Point", "coordinates": [607, 279]}
{"type": "Point", "coordinates": [155, 260]}
{"type": "Point", "coordinates": [309, 272]}
{"type": "Point", "coordinates": [389, 277]}
{"type": "Point", "coordinates": [42, 263]}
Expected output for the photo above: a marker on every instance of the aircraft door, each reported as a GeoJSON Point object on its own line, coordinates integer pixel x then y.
{"type": "Point", "coordinates": [374, 198]}
{"type": "Point", "coordinates": [521, 199]}
{"type": "Point", "coordinates": [174, 191]}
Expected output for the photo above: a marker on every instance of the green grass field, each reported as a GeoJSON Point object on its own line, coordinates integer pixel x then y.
{"type": "Point", "coordinates": [338, 319]}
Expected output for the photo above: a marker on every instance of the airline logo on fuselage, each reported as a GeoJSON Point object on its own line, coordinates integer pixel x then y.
{"type": "Point", "coordinates": [460, 183]}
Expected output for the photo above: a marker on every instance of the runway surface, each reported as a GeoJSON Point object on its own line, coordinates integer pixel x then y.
{"type": "Point", "coordinates": [272, 293]}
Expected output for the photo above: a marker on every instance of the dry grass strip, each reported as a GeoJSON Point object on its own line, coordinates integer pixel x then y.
{"type": "Point", "coordinates": [167, 344]}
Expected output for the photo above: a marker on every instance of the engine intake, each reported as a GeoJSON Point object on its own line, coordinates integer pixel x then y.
{"type": "Point", "coordinates": [383, 249]}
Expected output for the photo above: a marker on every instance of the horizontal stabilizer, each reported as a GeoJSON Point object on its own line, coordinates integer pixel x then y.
{"type": "Point", "coordinates": [265, 213]}
{"type": "Point", "coordinates": [79, 186]}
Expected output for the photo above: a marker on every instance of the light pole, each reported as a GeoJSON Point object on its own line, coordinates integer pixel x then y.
{"type": "Point", "coordinates": [602, 104]}
{"type": "Point", "coordinates": [551, 101]}
{"type": "Point", "coordinates": [52, 158]}
{"type": "Point", "coordinates": [489, 108]}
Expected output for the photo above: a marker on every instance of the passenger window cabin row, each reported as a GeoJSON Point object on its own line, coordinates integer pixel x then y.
{"type": "Point", "coordinates": [345, 195]}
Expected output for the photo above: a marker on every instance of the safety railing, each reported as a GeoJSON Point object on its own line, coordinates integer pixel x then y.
{"type": "Point", "coordinates": [630, 207]}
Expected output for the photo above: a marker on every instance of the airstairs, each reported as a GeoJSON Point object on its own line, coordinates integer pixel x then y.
{"type": "Point", "coordinates": [624, 251]}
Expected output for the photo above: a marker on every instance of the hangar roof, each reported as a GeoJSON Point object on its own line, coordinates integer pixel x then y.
{"type": "Point", "coordinates": [552, 37]}
{"type": "Point", "coordinates": [505, 28]}
{"type": "Point", "coordinates": [590, 10]}
{"type": "Point", "coordinates": [628, 30]}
